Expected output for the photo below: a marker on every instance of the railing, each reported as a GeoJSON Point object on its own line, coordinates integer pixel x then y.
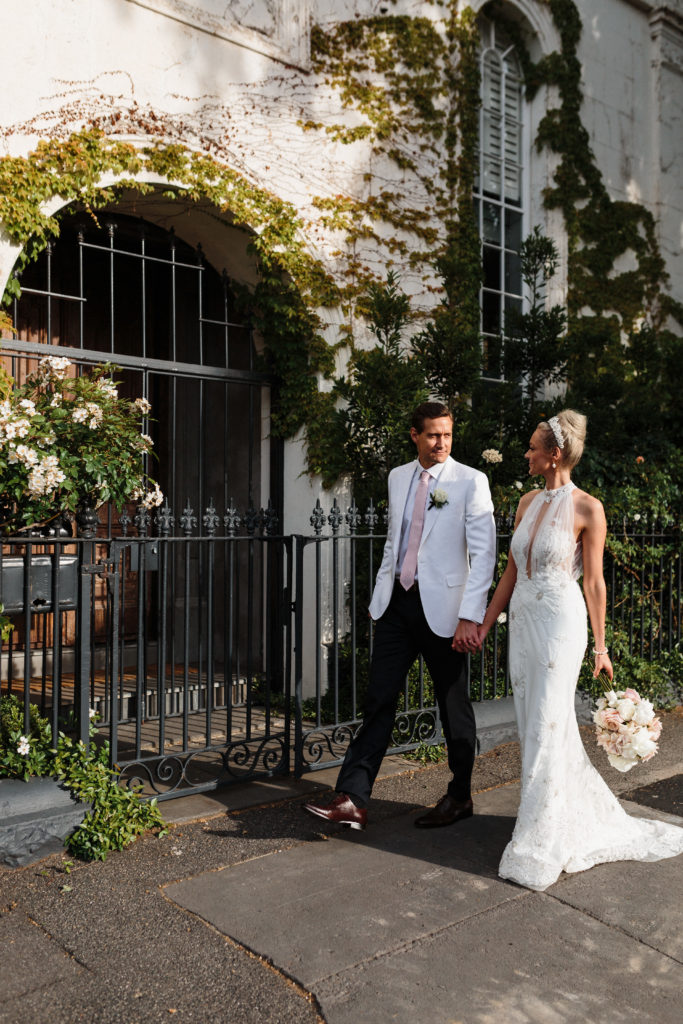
{"type": "Point", "coordinates": [211, 647]}
{"type": "Point", "coordinates": [335, 571]}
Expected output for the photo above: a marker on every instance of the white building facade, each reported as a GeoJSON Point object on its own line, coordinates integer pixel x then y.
{"type": "Point", "coordinates": [238, 84]}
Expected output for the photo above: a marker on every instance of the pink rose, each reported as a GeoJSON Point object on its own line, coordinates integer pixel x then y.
{"type": "Point", "coordinates": [632, 695]}
{"type": "Point", "coordinates": [655, 728]}
{"type": "Point", "coordinates": [611, 718]}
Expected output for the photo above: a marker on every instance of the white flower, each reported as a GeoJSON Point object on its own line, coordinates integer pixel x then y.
{"type": "Point", "coordinates": [502, 619]}
{"type": "Point", "coordinates": [438, 498]}
{"type": "Point", "coordinates": [5, 409]}
{"type": "Point", "coordinates": [626, 707]}
{"type": "Point", "coordinates": [644, 713]}
{"type": "Point", "coordinates": [611, 698]}
{"type": "Point", "coordinates": [95, 412]}
{"type": "Point", "coordinates": [148, 441]}
{"type": "Point", "coordinates": [491, 455]}
{"type": "Point", "coordinates": [519, 485]}
{"type": "Point", "coordinates": [642, 745]}
{"type": "Point", "coordinates": [153, 498]}
{"type": "Point", "coordinates": [54, 367]}
{"type": "Point", "coordinates": [108, 386]}
{"type": "Point", "coordinates": [56, 400]}
{"type": "Point", "coordinates": [23, 746]}
{"type": "Point", "coordinates": [28, 406]}
{"type": "Point", "coordinates": [10, 431]}
{"type": "Point", "coordinates": [21, 428]}
{"type": "Point", "coordinates": [79, 415]}
{"type": "Point", "coordinates": [623, 764]}
{"type": "Point", "coordinates": [91, 712]}
{"type": "Point", "coordinates": [143, 405]}
{"type": "Point", "coordinates": [637, 516]}
{"type": "Point", "coordinates": [22, 453]}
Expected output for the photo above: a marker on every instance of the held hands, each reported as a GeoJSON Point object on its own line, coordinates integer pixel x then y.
{"type": "Point", "coordinates": [466, 638]}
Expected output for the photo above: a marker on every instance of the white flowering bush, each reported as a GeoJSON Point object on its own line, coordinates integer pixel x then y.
{"type": "Point", "coordinates": [492, 456]}
{"type": "Point", "coordinates": [69, 440]}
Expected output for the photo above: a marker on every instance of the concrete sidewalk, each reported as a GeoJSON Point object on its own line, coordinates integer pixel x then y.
{"type": "Point", "coordinates": [249, 905]}
{"type": "Point", "coordinates": [395, 923]}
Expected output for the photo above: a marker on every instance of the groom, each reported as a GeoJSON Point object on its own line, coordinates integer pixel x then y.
{"type": "Point", "coordinates": [429, 596]}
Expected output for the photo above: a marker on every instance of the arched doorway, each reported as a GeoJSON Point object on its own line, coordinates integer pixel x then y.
{"type": "Point", "coordinates": [184, 647]}
{"type": "Point", "coordinates": [127, 290]}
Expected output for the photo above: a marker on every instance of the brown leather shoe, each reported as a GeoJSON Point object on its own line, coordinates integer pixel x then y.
{"type": "Point", "coordinates": [446, 812]}
{"type": "Point", "coordinates": [342, 811]}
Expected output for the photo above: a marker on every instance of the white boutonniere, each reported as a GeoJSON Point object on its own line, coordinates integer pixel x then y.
{"type": "Point", "coordinates": [438, 498]}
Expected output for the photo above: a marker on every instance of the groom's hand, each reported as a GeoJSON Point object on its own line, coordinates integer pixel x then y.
{"type": "Point", "coordinates": [466, 637]}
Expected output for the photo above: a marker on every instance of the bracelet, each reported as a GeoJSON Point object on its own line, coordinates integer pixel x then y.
{"type": "Point", "coordinates": [600, 652]}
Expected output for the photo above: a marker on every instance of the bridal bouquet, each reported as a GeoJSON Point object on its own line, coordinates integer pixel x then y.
{"type": "Point", "coordinates": [627, 728]}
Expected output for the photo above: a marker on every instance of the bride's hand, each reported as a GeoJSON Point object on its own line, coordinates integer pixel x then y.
{"type": "Point", "coordinates": [603, 664]}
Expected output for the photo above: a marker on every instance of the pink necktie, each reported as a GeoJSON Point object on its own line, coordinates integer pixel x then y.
{"type": "Point", "coordinates": [409, 567]}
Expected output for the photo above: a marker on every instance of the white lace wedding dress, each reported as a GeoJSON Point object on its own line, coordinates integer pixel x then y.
{"type": "Point", "coordinates": [568, 818]}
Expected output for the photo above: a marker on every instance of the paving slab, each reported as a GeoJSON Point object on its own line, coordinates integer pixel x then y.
{"type": "Point", "coordinates": [316, 910]}
{"type": "Point", "coordinates": [642, 899]}
{"type": "Point", "coordinates": [391, 923]}
{"type": "Point", "coordinates": [25, 946]}
{"type": "Point", "coordinates": [529, 960]}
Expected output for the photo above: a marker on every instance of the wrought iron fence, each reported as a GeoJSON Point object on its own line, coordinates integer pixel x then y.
{"type": "Point", "coordinates": [215, 649]}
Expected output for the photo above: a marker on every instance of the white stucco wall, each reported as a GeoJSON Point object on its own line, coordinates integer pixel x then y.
{"type": "Point", "coordinates": [232, 79]}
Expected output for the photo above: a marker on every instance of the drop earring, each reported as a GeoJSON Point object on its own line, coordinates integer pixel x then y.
{"type": "Point", "coordinates": [554, 465]}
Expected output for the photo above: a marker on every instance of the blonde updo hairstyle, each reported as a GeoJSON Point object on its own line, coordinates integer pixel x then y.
{"type": "Point", "coordinates": [573, 427]}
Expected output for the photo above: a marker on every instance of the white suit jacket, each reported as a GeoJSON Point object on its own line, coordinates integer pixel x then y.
{"type": "Point", "coordinates": [457, 553]}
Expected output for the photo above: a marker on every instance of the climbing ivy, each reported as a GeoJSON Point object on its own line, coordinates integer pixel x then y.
{"type": "Point", "coordinates": [293, 285]}
{"type": "Point", "coordinates": [621, 354]}
{"type": "Point", "coordinates": [413, 85]}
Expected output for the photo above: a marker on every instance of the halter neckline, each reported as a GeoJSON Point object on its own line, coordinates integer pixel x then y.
{"type": "Point", "coordinates": [549, 494]}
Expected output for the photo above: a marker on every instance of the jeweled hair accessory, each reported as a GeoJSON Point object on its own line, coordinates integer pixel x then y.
{"type": "Point", "coordinates": [554, 425]}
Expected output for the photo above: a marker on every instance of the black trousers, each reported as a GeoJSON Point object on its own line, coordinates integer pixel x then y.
{"type": "Point", "coordinates": [401, 635]}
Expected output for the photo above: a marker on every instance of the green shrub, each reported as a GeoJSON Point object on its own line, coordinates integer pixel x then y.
{"type": "Point", "coordinates": [39, 757]}
{"type": "Point", "coordinates": [117, 816]}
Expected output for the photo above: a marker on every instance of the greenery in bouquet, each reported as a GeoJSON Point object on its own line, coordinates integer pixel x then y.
{"type": "Point", "coordinates": [69, 440]}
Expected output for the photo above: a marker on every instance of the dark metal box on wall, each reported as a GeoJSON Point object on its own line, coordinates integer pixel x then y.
{"type": "Point", "coordinates": [41, 570]}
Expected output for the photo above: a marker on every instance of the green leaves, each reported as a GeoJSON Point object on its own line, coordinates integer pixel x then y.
{"type": "Point", "coordinates": [118, 815]}
{"type": "Point", "coordinates": [69, 440]}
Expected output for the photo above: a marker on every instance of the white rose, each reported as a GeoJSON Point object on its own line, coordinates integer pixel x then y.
{"type": "Point", "coordinates": [611, 698]}
{"type": "Point", "coordinates": [519, 485]}
{"type": "Point", "coordinates": [644, 713]}
{"type": "Point", "coordinates": [626, 707]}
{"type": "Point", "coordinates": [642, 745]}
{"type": "Point", "coordinates": [502, 619]}
{"type": "Point", "coordinates": [622, 764]}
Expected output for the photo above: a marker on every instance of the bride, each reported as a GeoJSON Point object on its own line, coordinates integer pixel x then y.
{"type": "Point", "coordinates": [568, 818]}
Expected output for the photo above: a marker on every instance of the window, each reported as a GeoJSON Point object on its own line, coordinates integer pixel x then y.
{"type": "Point", "coordinates": [498, 190]}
